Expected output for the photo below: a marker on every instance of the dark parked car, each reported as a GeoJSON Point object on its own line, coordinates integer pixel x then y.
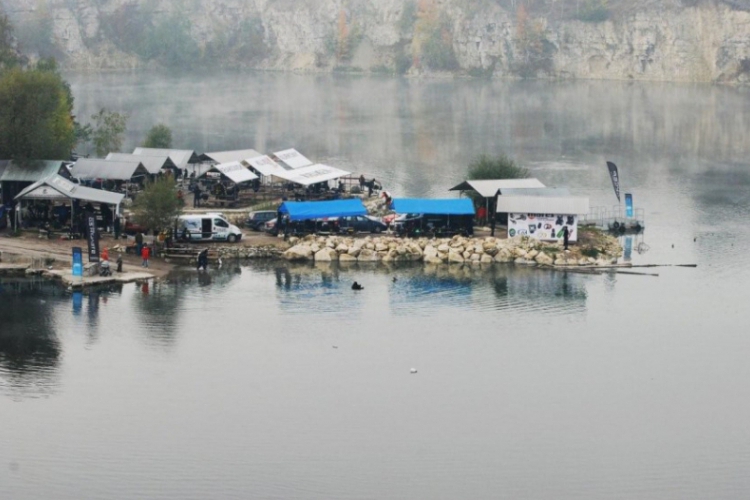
{"type": "Point", "coordinates": [361, 224]}
{"type": "Point", "coordinates": [433, 225]}
{"type": "Point", "coordinates": [256, 220]}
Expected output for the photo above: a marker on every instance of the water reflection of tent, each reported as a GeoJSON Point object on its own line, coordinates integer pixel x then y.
{"type": "Point", "coordinates": [412, 291]}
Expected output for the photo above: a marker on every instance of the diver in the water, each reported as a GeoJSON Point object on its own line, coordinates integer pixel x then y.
{"type": "Point", "coordinates": [357, 286]}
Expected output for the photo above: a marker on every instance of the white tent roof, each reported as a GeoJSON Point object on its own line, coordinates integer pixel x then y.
{"type": "Point", "coordinates": [231, 156]}
{"type": "Point", "coordinates": [265, 165]}
{"type": "Point", "coordinates": [292, 158]}
{"type": "Point", "coordinates": [98, 168]}
{"type": "Point", "coordinates": [564, 205]}
{"type": "Point", "coordinates": [312, 174]}
{"type": "Point", "coordinates": [154, 164]}
{"type": "Point", "coordinates": [180, 157]}
{"type": "Point", "coordinates": [236, 172]}
{"type": "Point", "coordinates": [55, 187]}
{"type": "Point", "coordinates": [490, 188]}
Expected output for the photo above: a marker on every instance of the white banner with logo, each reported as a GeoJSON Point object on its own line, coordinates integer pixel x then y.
{"type": "Point", "coordinates": [547, 227]}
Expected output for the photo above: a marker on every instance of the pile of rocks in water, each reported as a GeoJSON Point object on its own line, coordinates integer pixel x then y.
{"type": "Point", "coordinates": [250, 252]}
{"type": "Point", "coordinates": [458, 250]}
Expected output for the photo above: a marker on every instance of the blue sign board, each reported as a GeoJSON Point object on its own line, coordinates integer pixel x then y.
{"type": "Point", "coordinates": [628, 205]}
{"type": "Point", "coordinates": [77, 262]}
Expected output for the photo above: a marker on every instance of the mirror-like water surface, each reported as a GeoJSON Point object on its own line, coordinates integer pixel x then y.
{"type": "Point", "coordinates": [277, 381]}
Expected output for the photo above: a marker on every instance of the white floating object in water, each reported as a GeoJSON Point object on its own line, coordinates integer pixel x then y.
{"type": "Point", "coordinates": [413, 370]}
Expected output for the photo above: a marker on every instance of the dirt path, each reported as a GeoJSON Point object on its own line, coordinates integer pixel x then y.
{"type": "Point", "coordinates": [61, 251]}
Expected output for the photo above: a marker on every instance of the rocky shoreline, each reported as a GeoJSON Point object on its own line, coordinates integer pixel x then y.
{"type": "Point", "coordinates": [599, 250]}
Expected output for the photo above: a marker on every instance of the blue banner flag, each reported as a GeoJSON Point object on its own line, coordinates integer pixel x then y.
{"type": "Point", "coordinates": [77, 261]}
{"type": "Point", "coordinates": [628, 205]}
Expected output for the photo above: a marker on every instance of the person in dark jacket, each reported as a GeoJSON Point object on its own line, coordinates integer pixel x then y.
{"type": "Point", "coordinates": [203, 259]}
{"type": "Point", "coordinates": [116, 227]}
{"type": "Point", "coordinates": [566, 237]}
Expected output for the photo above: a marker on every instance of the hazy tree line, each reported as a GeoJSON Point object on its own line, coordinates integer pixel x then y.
{"type": "Point", "coordinates": [36, 111]}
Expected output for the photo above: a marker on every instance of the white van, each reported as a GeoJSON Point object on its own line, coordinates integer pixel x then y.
{"type": "Point", "coordinates": [207, 227]}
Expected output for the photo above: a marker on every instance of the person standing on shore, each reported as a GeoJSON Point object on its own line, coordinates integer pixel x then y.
{"type": "Point", "coordinates": [145, 253]}
{"type": "Point", "coordinates": [116, 227]}
{"type": "Point", "coordinates": [566, 237]}
{"type": "Point", "coordinates": [203, 259]}
{"type": "Point", "coordinates": [138, 242]}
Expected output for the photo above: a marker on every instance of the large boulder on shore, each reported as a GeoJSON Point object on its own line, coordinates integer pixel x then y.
{"type": "Point", "coordinates": [326, 254]}
{"type": "Point", "coordinates": [455, 257]}
{"type": "Point", "coordinates": [345, 257]}
{"type": "Point", "coordinates": [301, 251]}
{"type": "Point", "coordinates": [432, 259]}
{"type": "Point", "coordinates": [368, 255]}
{"type": "Point", "coordinates": [543, 259]}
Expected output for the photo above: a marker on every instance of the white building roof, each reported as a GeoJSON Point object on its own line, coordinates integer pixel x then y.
{"type": "Point", "coordinates": [567, 205]}
{"type": "Point", "coordinates": [489, 188]}
{"type": "Point", "coordinates": [292, 158]}
{"type": "Point", "coordinates": [55, 187]}
{"type": "Point", "coordinates": [312, 174]}
{"type": "Point", "coordinates": [231, 156]}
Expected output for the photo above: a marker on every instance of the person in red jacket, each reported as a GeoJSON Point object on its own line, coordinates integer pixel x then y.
{"type": "Point", "coordinates": [145, 252]}
{"type": "Point", "coordinates": [481, 215]}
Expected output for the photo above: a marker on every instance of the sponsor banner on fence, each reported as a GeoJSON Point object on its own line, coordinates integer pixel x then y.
{"type": "Point", "coordinates": [92, 236]}
{"type": "Point", "coordinates": [542, 226]}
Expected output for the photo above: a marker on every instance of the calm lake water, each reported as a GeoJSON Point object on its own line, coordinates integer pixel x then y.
{"type": "Point", "coordinates": [277, 381]}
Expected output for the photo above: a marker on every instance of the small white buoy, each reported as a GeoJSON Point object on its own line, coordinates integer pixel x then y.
{"type": "Point", "coordinates": [413, 370]}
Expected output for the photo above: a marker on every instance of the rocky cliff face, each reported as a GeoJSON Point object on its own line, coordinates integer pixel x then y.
{"type": "Point", "coordinates": [677, 40]}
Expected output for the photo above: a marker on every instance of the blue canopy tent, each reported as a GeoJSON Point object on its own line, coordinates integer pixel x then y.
{"type": "Point", "coordinates": [447, 206]}
{"type": "Point", "coordinates": [437, 217]}
{"type": "Point", "coordinates": [305, 210]}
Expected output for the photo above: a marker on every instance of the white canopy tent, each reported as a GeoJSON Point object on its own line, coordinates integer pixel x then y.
{"type": "Point", "coordinates": [180, 157]}
{"type": "Point", "coordinates": [491, 187]}
{"type": "Point", "coordinates": [154, 164]}
{"type": "Point", "coordinates": [265, 165]}
{"type": "Point", "coordinates": [230, 156]}
{"type": "Point", "coordinates": [57, 188]}
{"type": "Point", "coordinates": [292, 158]}
{"type": "Point", "coordinates": [312, 174]}
{"type": "Point", "coordinates": [98, 168]}
{"type": "Point", "coordinates": [235, 172]}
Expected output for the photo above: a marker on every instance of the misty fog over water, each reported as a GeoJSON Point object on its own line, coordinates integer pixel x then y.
{"type": "Point", "coordinates": [274, 380]}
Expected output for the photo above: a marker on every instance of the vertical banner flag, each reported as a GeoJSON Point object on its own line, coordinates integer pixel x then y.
{"type": "Point", "coordinates": [92, 235]}
{"type": "Point", "coordinates": [628, 205]}
{"type": "Point", "coordinates": [77, 261]}
{"type": "Point", "coordinates": [615, 178]}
